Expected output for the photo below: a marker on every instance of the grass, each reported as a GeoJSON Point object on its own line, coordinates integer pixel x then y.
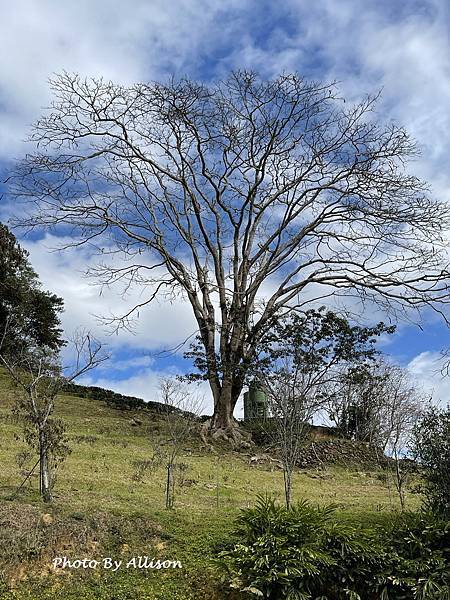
{"type": "Point", "coordinates": [101, 510]}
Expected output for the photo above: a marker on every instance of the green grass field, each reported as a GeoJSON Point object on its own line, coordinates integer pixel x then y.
{"type": "Point", "coordinates": [101, 510]}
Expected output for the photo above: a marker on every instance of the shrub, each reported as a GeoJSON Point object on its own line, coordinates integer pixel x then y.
{"type": "Point", "coordinates": [307, 553]}
{"type": "Point", "coordinates": [262, 431]}
{"type": "Point", "coordinates": [419, 552]}
{"type": "Point", "coordinates": [431, 447]}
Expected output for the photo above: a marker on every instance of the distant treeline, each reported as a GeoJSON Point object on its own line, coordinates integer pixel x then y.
{"type": "Point", "coordinates": [116, 400]}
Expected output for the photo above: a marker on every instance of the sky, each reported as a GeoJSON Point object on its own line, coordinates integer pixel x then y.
{"type": "Point", "coordinates": [400, 47]}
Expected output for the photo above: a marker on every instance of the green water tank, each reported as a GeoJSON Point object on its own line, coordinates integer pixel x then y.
{"type": "Point", "coordinates": [255, 404]}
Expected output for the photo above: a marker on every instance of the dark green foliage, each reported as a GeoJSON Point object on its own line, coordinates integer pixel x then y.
{"type": "Point", "coordinates": [306, 553]}
{"type": "Point", "coordinates": [317, 338]}
{"type": "Point", "coordinates": [355, 418]}
{"type": "Point", "coordinates": [314, 338]}
{"type": "Point", "coordinates": [431, 448]}
{"type": "Point", "coordinates": [417, 565]}
{"type": "Point", "coordinates": [262, 431]}
{"type": "Point", "coordinates": [28, 314]}
{"type": "Point", "coordinates": [111, 398]}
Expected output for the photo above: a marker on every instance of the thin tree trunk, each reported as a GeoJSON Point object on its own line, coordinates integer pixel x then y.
{"type": "Point", "coordinates": [399, 481]}
{"type": "Point", "coordinates": [287, 473]}
{"type": "Point", "coordinates": [169, 486]}
{"type": "Point", "coordinates": [44, 469]}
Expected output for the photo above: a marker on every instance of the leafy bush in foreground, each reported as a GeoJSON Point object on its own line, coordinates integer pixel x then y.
{"type": "Point", "coordinates": [306, 553]}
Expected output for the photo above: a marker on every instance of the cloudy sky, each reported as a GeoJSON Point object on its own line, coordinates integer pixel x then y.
{"type": "Point", "coordinates": [398, 46]}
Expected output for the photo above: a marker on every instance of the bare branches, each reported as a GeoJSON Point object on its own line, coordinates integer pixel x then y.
{"type": "Point", "coordinates": [236, 188]}
{"type": "Point", "coordinates": [292, 403]}
{"type": "Point", "coordinates": [89, 354]}
{"type": "Point", "coordinates": [182, 409]}
{"type": "Point", "coordinates": [37, 372]}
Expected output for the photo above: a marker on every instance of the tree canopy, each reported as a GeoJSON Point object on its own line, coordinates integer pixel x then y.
{"type": "Point", "coordinates": [312, 342]}
{"type": "Point", "coordinates": [28, 314]}
{"type": "Point", "coordinates": [248, 197]}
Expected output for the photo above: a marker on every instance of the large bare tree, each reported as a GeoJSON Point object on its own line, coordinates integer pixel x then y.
{"type": "Point", "coordinates": [249, 197]}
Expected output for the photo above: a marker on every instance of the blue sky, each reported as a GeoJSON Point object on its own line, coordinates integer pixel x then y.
{"type": "Point", "coordinates": [399, 46]}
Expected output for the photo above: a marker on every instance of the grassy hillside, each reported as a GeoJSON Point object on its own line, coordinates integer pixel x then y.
{"type": "Point", "coordinates": [102, 508]}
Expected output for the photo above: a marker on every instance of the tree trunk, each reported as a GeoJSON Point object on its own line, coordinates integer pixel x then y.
{"type": "Point", "coordinates": [223, 410]}
{"type": "Point", "coordinates": [225, 399]}
{"type": "Point", "coordinates": [399, 481]}
{"type": "Point", "coordinates": [222, 418]}
{"type": "Point", "coordinates": [170, 486]}
{"type": "Point", "coordinates": [287, 487]}
{"type": "Point", "coordinates": [44, 469]}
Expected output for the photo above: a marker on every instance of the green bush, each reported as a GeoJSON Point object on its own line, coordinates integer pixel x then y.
{"type": "Point", "coordinates": [418, 546]}
{"type": "Point", "coordinates": [307, 553]}
{"type": "Point", "coordinates": [431, 448]}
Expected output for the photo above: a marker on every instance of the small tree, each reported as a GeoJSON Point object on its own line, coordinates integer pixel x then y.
{"type": "Point", "coordinates": [354, 403]}
{"type": "Point", "coordinates": [30, 341]}
{"type": "Point", "coordinates": [38, 375]}
{"type": "Point", "coordinates": [298, 361]}
{"type": "Point", "coordinates": [368, 402]}
{"type": "Point", "coordinates": [431, 447]}
{"type": "Point", "coordinates": [401, 410]}
{"type": "Point", "coordinates": [182, 409]}
{"type": "Point", "coordinates": [292, 403]}
{"type": "Point", "coordinates": [378, 403]}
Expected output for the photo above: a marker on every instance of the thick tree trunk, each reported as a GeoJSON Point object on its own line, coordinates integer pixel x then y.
{"type": "Point", "coordinates": [44, 469]}
{"type": "Point", "coordinates": [223, 410]}
{"type": "Point", "coordinates": [223, 425]}
{"type": "Point", "coordinates": [226, 401]}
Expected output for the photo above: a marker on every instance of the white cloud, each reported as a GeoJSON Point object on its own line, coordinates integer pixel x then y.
{"type": "Point", "coordinates": [137, 362]}
{"type": "Point", "coordinates": [108, 38]}
{"type": "Point", "coordinates": [365, 46]}
{"type": "Point", "coordinates": [162, 324]}
{"type": "Point", "coordinates": [406, 56]}
{"type": "Point", "coordinates": [142, 385]}
{"type": "Point", "coordinates": [426, 369]}
{"type": "Point", "coordinates": [145, 385]}
{"type": "Point", "coordinates": [402, 49]}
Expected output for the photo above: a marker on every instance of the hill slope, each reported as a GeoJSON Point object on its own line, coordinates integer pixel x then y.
{"type": "Point", "coordinates": [108, 502]}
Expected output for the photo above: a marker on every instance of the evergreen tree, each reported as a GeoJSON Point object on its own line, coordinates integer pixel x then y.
{"type": "Point", "coordinates": [29, 315]}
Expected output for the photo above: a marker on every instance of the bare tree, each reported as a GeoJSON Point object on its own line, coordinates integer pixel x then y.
{"type": "Point", "coordinates": [182, 409]}
{"type": "Point", "coordinates": [293, 401]}
{"type": "Point", "coordinates": [380, 405]}
{"type": "Point", "coordinates": [38, 374]}
{"type": "Point", "coordinates": [220, 192]}
{"type": "Point", "coordinates": [404, 406]}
